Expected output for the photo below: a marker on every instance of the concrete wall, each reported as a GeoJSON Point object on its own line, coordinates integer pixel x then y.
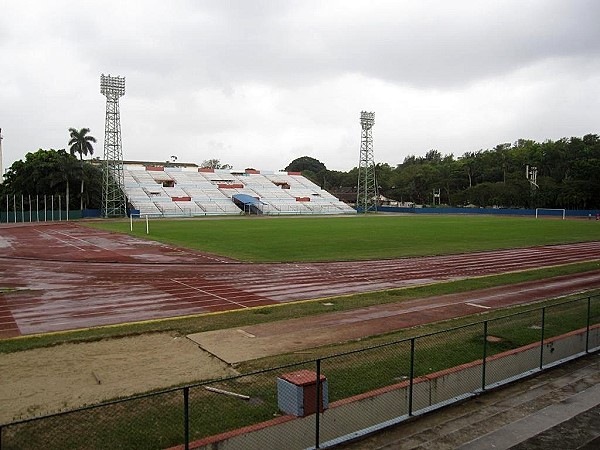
{"type": "Point", "coordinates": [364, 411]}
{"type": "Point", "coordinates": [488, 211]}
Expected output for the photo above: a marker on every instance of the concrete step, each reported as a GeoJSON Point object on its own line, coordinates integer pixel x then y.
{"type": "Point", "coordinates": [549, 422]}
{"type": "Point", "coordinates": [582, 432]}
{"type": "Point", "coordinates": [494, 413]}
{"type": "Point", "coordinates": [564, 393]}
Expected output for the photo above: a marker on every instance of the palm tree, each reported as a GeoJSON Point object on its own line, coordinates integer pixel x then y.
{"type": "Point", "coordinates": [81, 143]}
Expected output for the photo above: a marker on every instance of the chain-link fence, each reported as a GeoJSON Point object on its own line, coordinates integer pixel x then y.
{"type": "Point", "coordinates": [318, 403]}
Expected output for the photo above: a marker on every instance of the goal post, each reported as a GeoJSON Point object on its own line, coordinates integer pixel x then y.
{"type": "Point", "coordinates": [140, 216]}
{"type": "Point", "coordinates": [552, 212]}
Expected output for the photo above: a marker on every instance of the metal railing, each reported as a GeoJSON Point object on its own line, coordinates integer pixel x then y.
{"type": "Point", "coordinates": [362, 390]}
{"type": "Point", "coordinates": [36, 208]}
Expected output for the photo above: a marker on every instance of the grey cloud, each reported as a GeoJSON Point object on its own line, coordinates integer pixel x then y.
{"type": "Point", "coordinates": [424, 44]}
{"type": "Point", "coordinates": [190, 66]}
{"type": "Point", "coordinates": [299, 43]}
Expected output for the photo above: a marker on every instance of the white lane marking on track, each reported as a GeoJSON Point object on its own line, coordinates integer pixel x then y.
{"type": "Point", "coordinates": [83, 240]}
{"type": "Point", "coordinates": [209, 293]}
{"type": "Point", "coordinates": [64, 242]}
{"type": "Point", "coordinates": [478, 306]}
{"type": "Point", "coordinates": [182, 251]}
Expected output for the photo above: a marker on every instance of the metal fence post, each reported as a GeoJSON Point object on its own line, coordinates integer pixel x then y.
{"type": "Point", "coordinates": [186, 416]}
{"type": "Point", "coordinates": [318, 409]}
{"type": "Point", "coordinates": [483, 361]}
{"type": "Point", "coordinates": [411, 376]}
{"type": "Point", "coordinates": [542, 338]}
{"type": "Point", "coordinates": [587, 326]}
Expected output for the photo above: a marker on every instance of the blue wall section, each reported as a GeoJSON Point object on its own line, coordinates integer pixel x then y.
{"type": "Point", "coordinates": [90, 213]}
{"type": "Point", "coordinates": [493, 211]}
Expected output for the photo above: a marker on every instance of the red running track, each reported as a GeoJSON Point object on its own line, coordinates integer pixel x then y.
{"type": "Point", "coordinates": [70, 277]}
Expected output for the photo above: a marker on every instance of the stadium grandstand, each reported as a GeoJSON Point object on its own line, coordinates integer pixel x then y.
{"type": "Point", "coordinates": [184, 190]}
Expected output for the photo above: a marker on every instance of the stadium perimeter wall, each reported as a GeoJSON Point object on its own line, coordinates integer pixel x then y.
{"type": "Point", "coordinates": [39, 216]}
{"type": "Point", "coordinates": [490, 211]}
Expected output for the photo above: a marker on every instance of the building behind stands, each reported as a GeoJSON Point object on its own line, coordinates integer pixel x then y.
{"type": "Point", "coordinates": [155, 189]}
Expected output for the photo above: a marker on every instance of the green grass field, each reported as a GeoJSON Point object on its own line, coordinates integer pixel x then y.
{"type": "Point", "coordinates": [360, 237]}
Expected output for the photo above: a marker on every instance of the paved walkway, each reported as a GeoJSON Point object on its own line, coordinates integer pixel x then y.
{"type": "Point", "coordinates": [557, 409]}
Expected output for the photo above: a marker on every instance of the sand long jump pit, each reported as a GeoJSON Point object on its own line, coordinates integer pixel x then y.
{"type": "Point", "coordinates": [66, 376]}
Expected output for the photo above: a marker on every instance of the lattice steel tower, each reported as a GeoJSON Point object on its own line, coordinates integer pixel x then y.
{"type": "Point", "coordinates": [113, 183]}
{"type": "Point", "coordinates": [366, 192]}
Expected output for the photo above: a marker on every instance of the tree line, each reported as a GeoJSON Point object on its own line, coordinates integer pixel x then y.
{"type": "Point", "coordinates": [568, 176]}
{"type": "Point", "coordinates": [58, 172]}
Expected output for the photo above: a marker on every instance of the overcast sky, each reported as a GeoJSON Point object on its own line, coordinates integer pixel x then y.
{"type": "Point", "coordinates": [260, 83]}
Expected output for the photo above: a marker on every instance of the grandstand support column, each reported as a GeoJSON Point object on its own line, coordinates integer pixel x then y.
{"type": "Point", "coordinates": [113, 182]}
{"type": "Point", "coordinates": [366, 191]}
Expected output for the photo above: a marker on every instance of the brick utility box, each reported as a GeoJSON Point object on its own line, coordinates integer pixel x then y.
{"type": "Point", "coordinates": [297, 393]}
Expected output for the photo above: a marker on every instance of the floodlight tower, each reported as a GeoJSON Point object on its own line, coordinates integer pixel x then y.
{"type": "Point", "coordinates": [113, 182]}
{"type": "Point", "coordinates": [531, 174]}
{"type": "Point", "coordinates": [366, 193]}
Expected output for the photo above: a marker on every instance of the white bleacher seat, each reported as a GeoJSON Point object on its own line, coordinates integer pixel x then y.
{"type": "Point", "coordinates": [165, 192]}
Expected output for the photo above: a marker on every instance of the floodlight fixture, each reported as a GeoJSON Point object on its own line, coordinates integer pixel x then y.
{"type": "Point", "coordinates": [112, 86]}
{"type": "Point", "coordinates": [367, 119]}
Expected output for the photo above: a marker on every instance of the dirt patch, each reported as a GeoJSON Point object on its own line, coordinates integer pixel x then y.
{"type": "Point", "coordinates": [493, 339]}
{"type": "Point", "coordinates": [46, 380]}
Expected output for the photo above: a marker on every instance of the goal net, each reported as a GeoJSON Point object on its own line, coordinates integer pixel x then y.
{"type": "Point", "coordinates": [550, 212]}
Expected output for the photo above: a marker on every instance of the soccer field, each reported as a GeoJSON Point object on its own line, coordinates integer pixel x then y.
{"type": "Point", "coordinates": [356, 238]}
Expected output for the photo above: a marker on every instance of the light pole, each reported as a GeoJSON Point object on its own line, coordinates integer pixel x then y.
{"type": "Point", "coordinates": [113, 182]}
{"type": "Point", "coordinates": [366, 191]}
